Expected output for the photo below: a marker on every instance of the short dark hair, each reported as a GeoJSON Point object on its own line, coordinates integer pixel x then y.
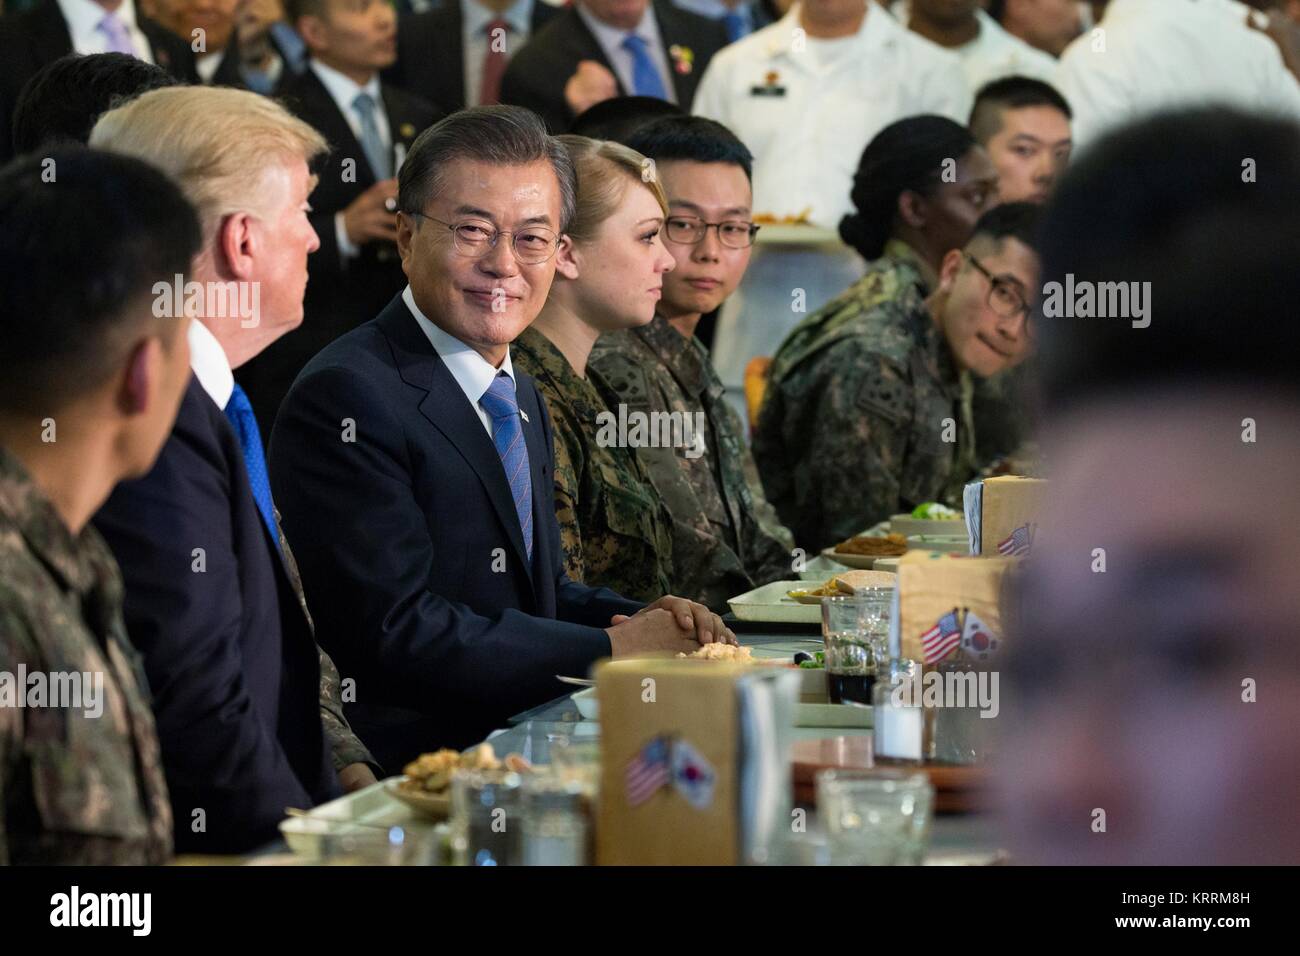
{"type": "Point", "coordinates": [906, 156]}
{"type": "Point", "coordinates": [1205, 205]}
{"type": "Point", "coordinates": [1011, 93]}
{"type": "Point", "coordinates": [1011, 220]}
{"type": "Point", "coordinates": [84, 237]}
{"type": "Point", "coordinates": [619, 117]}
{"type": "Point", "coordinates": [500, 135]}
{"type": "Point", "coordinates": [691, 138]}
{"type": "Point", "coordinates": [62, 100]}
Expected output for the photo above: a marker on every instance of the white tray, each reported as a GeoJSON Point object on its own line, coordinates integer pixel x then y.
{"type": "Point", "coordinates": [354, 813]}
{"type": "Point", "coordinates": [770, 604]}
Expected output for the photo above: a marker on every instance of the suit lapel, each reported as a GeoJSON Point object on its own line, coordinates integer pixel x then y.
{"type": "Point", "coordinates": [543, 483]}
{"type": "Point", "coordinates": [449, 410]}
{"type": "Point", "coordinates": [333, 125]}
{"type": "Point", "coordinates": [402, 125]}
{"type": "Point", "coordinates": [671, 34]}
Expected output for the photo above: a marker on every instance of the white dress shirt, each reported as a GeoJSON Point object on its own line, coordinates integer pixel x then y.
{"type": "Point", "coordinates": [83, 18]}
{"type": "Point", "coordinates": [475, 19]}
{"type": "Point", "coordinates": [994, 53]}
{"type": "Point", "coordinates": [611, 42]}
{"type": "Point", "coordinates": [806, 145]}
{"type": "Point", "coordinates": [343, 90]}
{"type": "Point", "coordinates": [1163, 54]}
{"type": "Point", "coordinates": [472, 372]}
{"type": "Point", "coordinates": [209, 364]}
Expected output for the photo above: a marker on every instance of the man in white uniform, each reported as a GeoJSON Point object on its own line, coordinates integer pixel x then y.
{"type": "Point", "coordinates": [987, 51]}
{"type": "Point", "coordinates": [806, 95]}
{"type": "Point", "coordinates": [1161, 54]}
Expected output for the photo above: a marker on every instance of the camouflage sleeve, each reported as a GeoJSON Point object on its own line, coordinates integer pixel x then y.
{"type": "Point", "coordinates": [567, 495]}
{"type": "Point", "coordinates": [860, 437]}
{"type": "Point", "coordinates": [345, 746]}
{"type": "Point", "coordinates": [11, 728]}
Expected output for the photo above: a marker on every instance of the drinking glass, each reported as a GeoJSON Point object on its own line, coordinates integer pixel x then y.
{"type": "Point", "coordinates": [875, 817]}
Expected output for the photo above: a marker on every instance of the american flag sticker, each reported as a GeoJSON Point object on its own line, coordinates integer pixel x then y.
{"type": "Point", "coordinates": [648, 771]}
{"type": "Point", "coordinates": [1018, 542]}
{"type": "Point", "coordinates": [942, 639]}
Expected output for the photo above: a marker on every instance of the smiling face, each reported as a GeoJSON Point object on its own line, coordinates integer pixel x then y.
{"type": "Point", "coordinates": [621, 273]}
{"type": "Point", "coordinates": [484, 302]}
{"type": "Point", "coordinates": [1030, 151]}
{"type": "Point", "coordinates": [707, 272]}
{"type": "Point", "coordinates": [981, 340]}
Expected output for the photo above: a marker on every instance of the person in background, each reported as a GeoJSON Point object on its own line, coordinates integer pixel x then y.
{"type": "Point", "coordinates": [1025, 126]}
{"type": "Point", "coordinates": [93, 378]}
{"type": "Point", "coordinates": [1165, 692]}
{"type": "Point", "coordinates": [1161, 56]}
{"type": "Point", "coordinates": [614, 529]}
{"type": "Point", "coordinates": [739, 17]}
{"type": "Point", "coordinates": [806, 95]}
{"type": "Point", "coordinates": [61, 102]}
{"type": "Point", "coordinates": [248, 707]}
{"type": "Point", "coordinates": [879, 419]}
{"type": "Point", "coordinates": [456, 54]}
{"type": "Point", "coordinates": [598, 49]}
{"type": "Point", "coordinates": [427, 531]}
{"type": "Point", "coordinates": [909, 216]}
{"type": "Point", "coordinates": [619, 117]}
{"type": "Point", "coordinates": [1047, 25]}
{"type": "Point", "coordinates": [369, 126]}
{"type": "Point", "coordinates": [987, 51]}
{"type": "Point", "coordinates": [237, 40]}
{"type": "Point", "coordinates": [726, 537]}
{"type": "Point", "coordinates": [36, 37]}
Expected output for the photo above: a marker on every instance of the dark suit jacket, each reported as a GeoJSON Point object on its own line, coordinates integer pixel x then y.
{"type": "Point", "coordinates": [30, 40]}
{"type": "Point", "coordinates": [339, 297]}
{"type": "Point", "coordinates": [430, 52]}
{"type": "Point", "coordinates": [228, 650]}
{"type": "Point", "coordinates": [537, 74]}
{"type": "Point", "coordinates": [411, 550]}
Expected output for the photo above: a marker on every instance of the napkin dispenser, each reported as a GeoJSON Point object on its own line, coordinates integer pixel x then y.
{"type": "Point", "coordinates": [695, 761]}
{"type": "Point", "coordinates": [1002, 515]}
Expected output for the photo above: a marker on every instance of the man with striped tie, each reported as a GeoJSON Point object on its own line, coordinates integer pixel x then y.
{"type": "Point", "coordinates": [599, 49]}
{"type": "Point", "coordinates": [248, 709]}
{"type": "Point", "coordinates": [414, 464]}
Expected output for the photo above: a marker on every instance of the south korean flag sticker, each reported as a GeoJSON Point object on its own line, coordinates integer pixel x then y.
{"type": "Point", "coordinates": [693, 776]}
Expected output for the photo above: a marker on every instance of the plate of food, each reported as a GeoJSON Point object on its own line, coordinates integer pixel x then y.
{"type": "Point", "coordinates": [849, 582]}
{"type": "Point", "coordinates": [426, 782]}
{"type": "Point", "coordinates": [861, 552]}
{"type": "Point", "coordinates": [931, 518]}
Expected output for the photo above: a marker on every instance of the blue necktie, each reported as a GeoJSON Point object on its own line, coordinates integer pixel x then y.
{"type": "Point", "coordinates": [240, 413]}
{"type": "Point", "coordinates": [376, 150]}
{"type": "Point", "coordinates": [646, 80]}
{"type": "Point", "coordinates": [735, 24]}
{"type": "Point", "coordinates": [508, 435]}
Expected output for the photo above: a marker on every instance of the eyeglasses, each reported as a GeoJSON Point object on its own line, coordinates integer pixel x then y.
{"type": "Point", "coordinates": [474, 238]}
{"type": "Point", "coordinates": [690, 231]}
{"type": "Point", "coordinates": [1005, 297]}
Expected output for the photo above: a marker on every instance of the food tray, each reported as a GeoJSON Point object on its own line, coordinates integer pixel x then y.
{"type": "Point", "coordinates": [771, 604]}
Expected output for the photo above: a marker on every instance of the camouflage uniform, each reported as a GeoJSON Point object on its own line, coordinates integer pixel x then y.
{"type": "Point", "coordinates": [73, 789]}
{"type": "Point", "coordinates": [726, 537]}
{"type": "Point", "coordinates": [852, 432]}
{"type": "Point", "coordinates": [615, 530]}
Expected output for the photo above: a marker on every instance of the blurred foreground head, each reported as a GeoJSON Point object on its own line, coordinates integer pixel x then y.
{"type": "Point", "coordinates": [1153, 702]}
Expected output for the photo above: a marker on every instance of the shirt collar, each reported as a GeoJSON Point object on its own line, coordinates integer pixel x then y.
{"type": "Point", "coordinates": [472, 372]}
{"type": "Point", "coordinates": [83, 17]}
{"type": "Point", "coordinates": [476, 17]}
{"type": "Point", "coordinates": [612, 37]}
{"type": "Point", "coordinates": [210, 365]}
{"type": "Point", "coordinates": [342, 89]}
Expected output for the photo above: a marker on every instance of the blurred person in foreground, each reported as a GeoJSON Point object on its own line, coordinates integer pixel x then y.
{"type": "Point", "coordinates": [1156, 678]}
{"type": "Point", "coordinates": [614, 528]}
{"type": "Point", "coordinates": [92, 380]}
{"type": "Point", "coordinates": [248, 708]}
{"type": "Point", "coordinates": [726, 537]}
{"type": "Point", "coordinates": [880, 419]}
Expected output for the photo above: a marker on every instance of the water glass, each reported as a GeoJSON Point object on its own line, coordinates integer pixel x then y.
{"type": "Point", "coordinates": [875, 817]}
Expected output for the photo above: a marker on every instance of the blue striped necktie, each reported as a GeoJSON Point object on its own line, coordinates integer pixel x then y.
{"type": "Point", "coordinates": [646, 80]}
{"type": "Point", "coordinates": [240, 414]}
{"type": "Point", "coordinates": [508, 436]}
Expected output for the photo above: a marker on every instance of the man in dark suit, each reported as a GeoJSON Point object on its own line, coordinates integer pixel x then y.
{"type": "Point", "coordinates": [245, 42]}
{"type": "Point", "coordinates": [455, 55]}
{"type": "Point", "coordinates": [56, 28]}
{"type": "Point", "coordinates": [415, 465]}
{"type": "Point", "coordinates": [369, 126]}
{"type": "Point", "coordinates": [597, 49]}
{"type": "Point", "coordinates": [248, 709]}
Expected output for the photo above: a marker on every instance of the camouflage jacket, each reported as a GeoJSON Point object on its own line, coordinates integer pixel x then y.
{"type": "Point", "coordinates": [873, 420]}
{"type": "Point", "coordinates": [726, 537]}
{"type": "Point", "coordinates": [614, 529]}
{"type": "Point", "coordinates": [75, 786]}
